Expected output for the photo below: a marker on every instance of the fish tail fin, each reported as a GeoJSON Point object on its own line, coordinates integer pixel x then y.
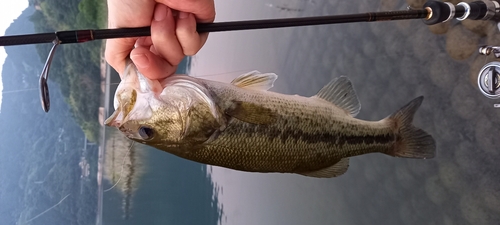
{"type": "Point", "coordinates": [411, 141]}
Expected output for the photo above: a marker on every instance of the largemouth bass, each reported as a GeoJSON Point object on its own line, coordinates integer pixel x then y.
{"type": "Point", "coordinates": [243, 126]}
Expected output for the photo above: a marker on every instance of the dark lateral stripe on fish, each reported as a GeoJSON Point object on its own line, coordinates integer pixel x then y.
{"type": "Point", "coordinates": [315, 137]}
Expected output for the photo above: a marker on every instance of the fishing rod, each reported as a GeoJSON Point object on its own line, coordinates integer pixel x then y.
{"type": "Point", "coordinates": [433, 12]}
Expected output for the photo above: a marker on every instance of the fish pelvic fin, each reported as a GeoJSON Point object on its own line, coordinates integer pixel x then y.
{"type": "Point", "coordinates": [411, 141]}
{"type": "Point", "coordinates": [341, 93]}
{"type": "Point", "coordinates": [335, 170]}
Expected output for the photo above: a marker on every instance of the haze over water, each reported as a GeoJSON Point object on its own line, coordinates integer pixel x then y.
{"type": "Point", "coordinates": [389, 63]}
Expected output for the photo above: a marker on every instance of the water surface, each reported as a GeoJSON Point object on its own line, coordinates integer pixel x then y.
{"type": "Point", "coordinates": [389, 63]}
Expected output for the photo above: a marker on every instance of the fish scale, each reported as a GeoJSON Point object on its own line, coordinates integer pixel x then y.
{"type": "Point", "coordinates": [285, 146]}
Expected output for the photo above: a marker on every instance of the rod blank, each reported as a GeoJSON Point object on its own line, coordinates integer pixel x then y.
{"type": "Point", "coordinates": [78, 36]}
{"type": "Point", "coordinates": [433, 12]}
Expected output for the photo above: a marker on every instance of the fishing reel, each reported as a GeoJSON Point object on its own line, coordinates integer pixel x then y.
{"type": "Point", "coordinates": [488, 80]}
{"type": "Point", "coordinates": [489, 76]}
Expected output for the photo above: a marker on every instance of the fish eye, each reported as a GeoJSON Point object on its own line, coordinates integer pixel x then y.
{"type": "Point", "coordinates": [146, 133]}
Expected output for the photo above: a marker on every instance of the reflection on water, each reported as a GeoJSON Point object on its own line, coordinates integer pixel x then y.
{"type": "Point", "coordinates": [154, 187]}
{"type": "Point", "coordinates": [169, 191]}
{"type": "Point", "coordinates": [124, 165]}
{"type": "Point", "coordinates": [389, 64]}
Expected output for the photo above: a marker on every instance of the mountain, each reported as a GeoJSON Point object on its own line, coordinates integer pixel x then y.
{"type": "Point", "coordinates": [75, 67]}
{"type": "Point", "coordinates": [40, 152]}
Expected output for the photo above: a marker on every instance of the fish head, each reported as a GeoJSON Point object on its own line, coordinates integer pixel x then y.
{"type": "Point", "coordinates": [140, 114]}
{"type": "Point", "coordinates": [165, 114]}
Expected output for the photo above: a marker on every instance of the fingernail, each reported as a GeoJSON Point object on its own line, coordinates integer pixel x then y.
{"type": "Point", "coordinates": [183, 15]}
{"type": "Point", "coordinates": [140, 41]}
{"type": "Point", "coordinates": [140, 60]}
{"type": "Point", "coordinates": [160, 12]}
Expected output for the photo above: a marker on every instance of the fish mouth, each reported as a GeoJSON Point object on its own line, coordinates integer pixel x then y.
{"type": "Point", "coordinates": [130, 134]}
{"type": "Point", "coordinates": [117, 120]}
{"type": "Point", "coordinates": [127, 99]}
{"type": "Point", "coordinates": [113, 120]}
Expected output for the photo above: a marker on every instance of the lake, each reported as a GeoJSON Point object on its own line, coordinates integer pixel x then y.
{"type": "Point", "coordinates": [389, 64]}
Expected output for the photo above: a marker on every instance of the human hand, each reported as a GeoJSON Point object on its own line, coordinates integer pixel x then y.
{"type": "Point", "coordinates": [173, 33]}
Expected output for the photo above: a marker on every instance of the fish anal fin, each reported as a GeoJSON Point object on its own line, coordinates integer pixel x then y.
{"type": "Point", "coordinates": [335, 170]}
{"type": "Point", "coordinates": [341, 93]}
{"type": "Point", "coordinates": [251, 113]}
{"type": "Point", "coordinates": [412, 142]}
{"type": "Point", "coordinates": [255, 80]}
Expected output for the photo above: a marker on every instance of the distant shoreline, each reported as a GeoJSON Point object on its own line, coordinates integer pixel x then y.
{"type": "Point", "coordinates": [103, 112]}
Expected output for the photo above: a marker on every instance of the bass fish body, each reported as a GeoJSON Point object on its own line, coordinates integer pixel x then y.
{"type": "Point", "coordinates": [243, 126]}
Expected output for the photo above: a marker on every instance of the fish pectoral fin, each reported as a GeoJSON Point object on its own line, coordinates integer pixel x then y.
{"type": "Point", "coordinates": [336, 170]}
{"type": "Point", "coordinates": [251, 113]}
{"type": "Point", "coordinates": [341, 93]}
{"type": "Point", "coordinates": [255, 80]}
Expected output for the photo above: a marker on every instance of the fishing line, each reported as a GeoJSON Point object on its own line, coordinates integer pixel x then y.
{"type": "Point", "coordinates": [123, 165]}
{"type": "Point", "coordinates": [46, 211]}
{"type": "Point", "coordinates": [117, 83]}
{"type": "Point", "coordinates": [203, 75]}
{"type": "Point", "coordinates": [219, 74]}
{"type": "Point", "coordinates": [20, 90]}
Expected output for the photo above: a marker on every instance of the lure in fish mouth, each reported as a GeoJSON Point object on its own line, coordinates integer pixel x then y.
{"type": "Point", "coordinates": [243, 126]}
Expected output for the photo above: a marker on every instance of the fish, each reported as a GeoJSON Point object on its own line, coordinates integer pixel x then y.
{"type": "Point", "coordinates": [243, 126]}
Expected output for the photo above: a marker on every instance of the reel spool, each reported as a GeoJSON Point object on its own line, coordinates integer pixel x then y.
{"type": "Point", "coordinates": [488, 80]}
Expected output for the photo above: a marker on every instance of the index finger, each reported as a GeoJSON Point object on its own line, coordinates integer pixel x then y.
{"type": "Point", "coordinates": [125, 13]}
{"type": "Point", "coordinates": [117, 51]}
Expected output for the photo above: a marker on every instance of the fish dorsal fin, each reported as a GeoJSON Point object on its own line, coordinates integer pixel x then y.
{"type": "Point", "coordinates": [336, 170]}
{"type": "Point", "coordinates": [255, 80]}
{"type": "Point", "coordinates": [341, 93]}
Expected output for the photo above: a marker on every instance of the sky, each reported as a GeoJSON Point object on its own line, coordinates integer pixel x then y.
{"type": "Point", "coordinates": [9, 10]}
